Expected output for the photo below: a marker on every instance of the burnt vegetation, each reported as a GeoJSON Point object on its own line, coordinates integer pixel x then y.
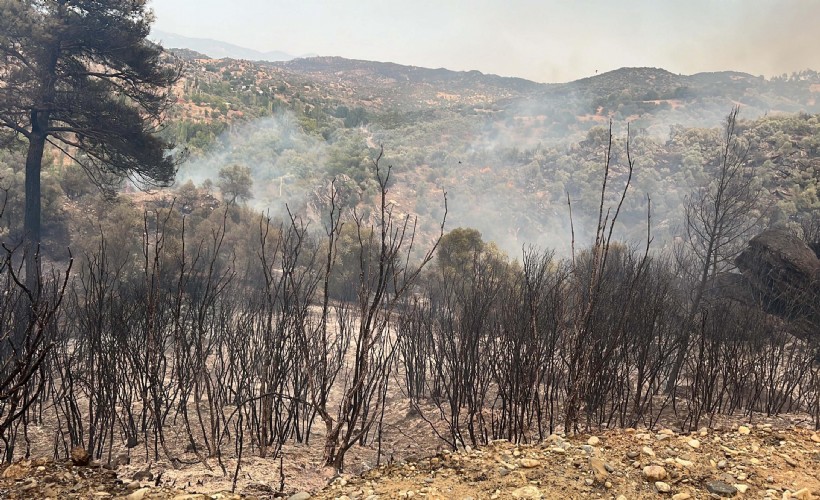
{"type": "Point", "coordinates": [236, 346]}
{"type": "Point", "coordinates": [190, 328]}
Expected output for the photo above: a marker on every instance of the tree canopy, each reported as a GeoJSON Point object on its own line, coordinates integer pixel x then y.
{"type": "Point", "coordinates": [80, 76]}
{"type": "Point", "coordinates": [458, 248]}
{"type": "Point", "coordinates": [236, 183]}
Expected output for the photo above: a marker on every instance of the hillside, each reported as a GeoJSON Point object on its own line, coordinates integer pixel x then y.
{"type": "Point", "coordinates": [410, 87]}
{"type": "Point", "coordinates": [506, 150]}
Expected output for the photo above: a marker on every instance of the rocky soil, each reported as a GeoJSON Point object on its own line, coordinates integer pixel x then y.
{"type": "Point", "coordinates": [626, 464]}
{"type": "Point", "coordinates": [755, 461]}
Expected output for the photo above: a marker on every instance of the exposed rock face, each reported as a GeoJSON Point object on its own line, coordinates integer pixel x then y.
{"type": "Point", "coordinates": [784, 274]}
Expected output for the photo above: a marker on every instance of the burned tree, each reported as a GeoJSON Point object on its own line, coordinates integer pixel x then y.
{"type": "Point", "coordinates": [386, 276]}
{"type": "Point", "coordinates": [719, 219]}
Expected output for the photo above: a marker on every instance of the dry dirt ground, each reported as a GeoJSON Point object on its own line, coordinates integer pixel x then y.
{"type": "Point", "coordinates": [730, 461]}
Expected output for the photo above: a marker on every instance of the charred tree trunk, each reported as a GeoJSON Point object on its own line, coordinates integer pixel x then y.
{"type": "Point", "coordinates": [32, 223]}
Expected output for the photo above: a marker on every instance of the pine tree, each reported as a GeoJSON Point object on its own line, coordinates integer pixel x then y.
{"type": "Point", "coordinates": [80, 76]}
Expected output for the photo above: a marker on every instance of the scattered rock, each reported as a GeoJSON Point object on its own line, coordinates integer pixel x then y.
{"type": "Point", "coordinates": [15, 471]}
{"type": "Point", "coordinates": [654, 473]}
{"type": "Point", "coordinates": [527, 492]}
{"type": "Point", "coordinates": [743, 430]}
{"type": "Point", "coordinates": [80, 457]}
{"type": "Point", "coordinates": [143, 475]}
{"type": "Point", "coordinates": [30, 484]}
{"type": "Point", "coordinates": [529, 463]}
{"type": "Point", "coordinates": [646, 450]}
{"type": "Point", "coordinates": [555, 439]}
{"type": "Point", "coordinates": [662, 487]}
{"type": "Point", "coordinates": [693, 443]}
{"type": "Point", "coordinates": [721, 489]}
{"type": "Point", "coordinates": [599, 469]}
{"type": "Point", "coordinates": [302, 495]}
{"type": "Point", "coordinates": [742, 488]}
{"type": "Point", "coordinates": [594, 441]}
{"type": "Point", "coordinates": [138, 494]}
{"type": "Point", "coordinates": [681, 496]}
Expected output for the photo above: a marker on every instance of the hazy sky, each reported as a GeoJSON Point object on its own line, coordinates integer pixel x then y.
{"type": "Point", "coordinates": [547, 41]}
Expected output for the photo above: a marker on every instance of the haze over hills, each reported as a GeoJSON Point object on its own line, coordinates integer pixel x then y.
{"type": "Point", "coordinates": [410, 86]}
{"type": "Point", "coordinates": [648, 85]}
{"type": "Point", "coordinates": [507, 150]}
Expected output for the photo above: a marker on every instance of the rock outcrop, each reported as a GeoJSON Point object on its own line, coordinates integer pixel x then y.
{"type": "Point", "coordinates": [784, 276]}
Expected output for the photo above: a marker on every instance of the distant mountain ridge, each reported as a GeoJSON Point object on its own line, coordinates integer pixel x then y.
{"type": "Point", "coordinates": [622, 94]}
{"type": "Point", "coordinates": [408, 87]}
{"type": "Point", "coordinates": [651, 98]}
{"type": "Point", "coordinates": [629, 92]}
{"type": "Point", "coordinates": [217, 49]}
{"type": "Point", "coordinates": [338, 66]}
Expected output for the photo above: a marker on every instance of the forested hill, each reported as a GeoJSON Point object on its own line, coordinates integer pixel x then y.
{"type": "Point", "coordinates": [412, 86]}
{"type": "Point", "coordinates": [627, 93]}
{"type": "Point", "coordinates": [506, 150]}
{"type": "Point", "coordinates": [623, 93]}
